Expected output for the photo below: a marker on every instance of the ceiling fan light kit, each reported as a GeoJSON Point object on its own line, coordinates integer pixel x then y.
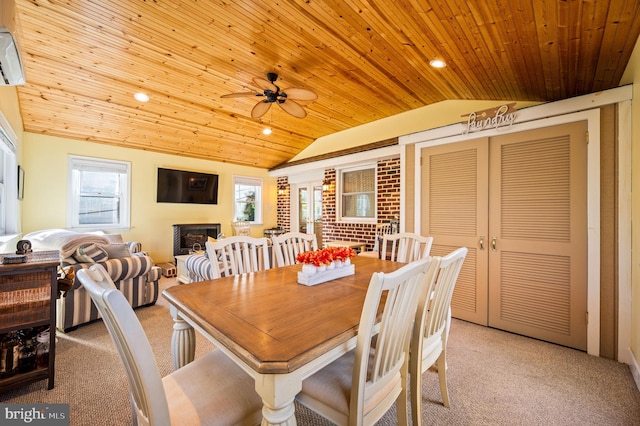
{"type": "Point", "coordinates": [286, 98]}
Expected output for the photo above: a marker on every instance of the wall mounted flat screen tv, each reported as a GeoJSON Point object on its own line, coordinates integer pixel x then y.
{"type": "Point", "coordinates": [180, 186]}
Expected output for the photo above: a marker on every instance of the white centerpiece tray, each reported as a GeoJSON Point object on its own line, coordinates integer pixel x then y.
{"type": "Point", "coordinates": [327, 275]}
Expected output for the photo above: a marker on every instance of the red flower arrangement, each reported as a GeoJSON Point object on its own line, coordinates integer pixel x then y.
{"type": "Point", "coordinates": [325, 256]}
{"type": "Point", "coordinates": [341, 253]}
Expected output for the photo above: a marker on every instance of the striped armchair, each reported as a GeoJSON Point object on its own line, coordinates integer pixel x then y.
{"type": "Point", "coordinates": [136, 276]}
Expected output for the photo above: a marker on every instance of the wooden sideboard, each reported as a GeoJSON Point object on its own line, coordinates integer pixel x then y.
{"type": "Point", "coordinates": [28, 293]}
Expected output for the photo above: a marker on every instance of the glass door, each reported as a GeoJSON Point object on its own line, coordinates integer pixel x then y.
{"type": "Point", "coordinates": [309, 210]}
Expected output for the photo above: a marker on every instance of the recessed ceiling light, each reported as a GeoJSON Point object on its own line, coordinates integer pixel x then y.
{"type": "Point", "coordinates": [266, 131]}
{"type": "Point", "coordinates": [142, 97]}
{"type": "Point", "coordinates": [438, 63]}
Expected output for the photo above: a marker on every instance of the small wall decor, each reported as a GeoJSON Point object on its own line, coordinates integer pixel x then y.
{"type": "Point", "coordinates": [492, 118]}
{"type": "Point", "coordinates": [20, 183]}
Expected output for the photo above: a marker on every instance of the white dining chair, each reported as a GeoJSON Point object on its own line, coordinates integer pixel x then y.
{"type": "Point", "coordinates": [429, 337]}
{"type": "Point", "coordinates": [210, 390]}
{"type": "Point", "coordinates": [382, 229]}
{"type": "Point", "coordinates": [405, 247]}
{"type": "Point", "coordinates": [360, 387]}
{"type": "Point", "coordinates": [288, 245]}
{"type": "Point", "coordinates": [238, 255]}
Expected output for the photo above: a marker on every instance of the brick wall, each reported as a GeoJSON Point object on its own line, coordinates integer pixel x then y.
{"type": "Point", "coordinates": [283, 206]}
{"type": "Point", "coordinates": [388, 190]}
{"type": "Point", "coordinates": [387, 209]}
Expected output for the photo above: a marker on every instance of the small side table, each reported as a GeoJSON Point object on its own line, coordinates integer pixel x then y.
{"type": "Point", "coordinates": [182, 273]}
{"type": "Point", "coordinates": [356, 245]}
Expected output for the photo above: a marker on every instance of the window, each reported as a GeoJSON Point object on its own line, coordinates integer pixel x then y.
{"type": "Point", "coordinates": [9, 221]}
{"type": "Point", "coordinates": [357, 194]}
{"type": "Point", "coordinates": [98, 193]}
{"type": "Point", "coordinates": [2, 190]}
{"type": "Point", "coordinates": [247, 194]}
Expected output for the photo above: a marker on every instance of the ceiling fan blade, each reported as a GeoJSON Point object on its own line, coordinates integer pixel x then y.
{"type": "Point", "coordinates": [260, 109]}
{"type": "Point", "coordinates": [265, 84]}
{"type": "Point", "coordinates": [299, 94]}
{"type": "Point", "coordinates": [293, 108]}
{"type": "Point", "coordinates": [239, 94]}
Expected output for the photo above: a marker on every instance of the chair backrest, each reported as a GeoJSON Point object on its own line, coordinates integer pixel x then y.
{"type": "Point", "coordinates": [405, 247]}
{"type": "Point", "coordinates": [241, 228]}
{"type": "Point", "coordinates": [288, 245]}
{"type": "Point", "coordinates": [238, 255]}
{"type": "Point", "coordinates": [148, 400]}
{"type": "Point", "coordinates": [382, 229]}
{"type": "Point", "coordinates": [378, 379]}
{"type": "Point", "coordinates": [433, 310]}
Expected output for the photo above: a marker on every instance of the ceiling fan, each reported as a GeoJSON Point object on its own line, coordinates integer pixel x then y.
{"type": "Point", "coordinates": [273, 94]}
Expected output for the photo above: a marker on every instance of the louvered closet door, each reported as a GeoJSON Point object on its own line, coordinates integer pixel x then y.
{"type": "Point", "coordinates": [454, 212]}
{"type": "Point", "coordinates": [538, 234]}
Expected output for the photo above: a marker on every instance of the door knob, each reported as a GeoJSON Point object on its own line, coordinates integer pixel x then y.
{"type": "Point", "coordinates": [493, 244]}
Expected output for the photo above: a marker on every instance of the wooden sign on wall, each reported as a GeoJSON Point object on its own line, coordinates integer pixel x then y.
{"type": "Point", "coordinates": [492, 118]}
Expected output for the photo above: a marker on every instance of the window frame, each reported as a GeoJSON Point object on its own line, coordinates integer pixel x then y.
{"type": "Point", "coordinates": [9, 203]}
{"type": "Point", "coordinates": [77, 162]}
{"type": "Point", "coordinates": [339, 194]}
{"type": "Point", "coordinates": [258, 203]}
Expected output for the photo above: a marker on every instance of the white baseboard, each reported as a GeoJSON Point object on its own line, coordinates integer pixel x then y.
{"type": "Point", "coordinates": [635, 367]}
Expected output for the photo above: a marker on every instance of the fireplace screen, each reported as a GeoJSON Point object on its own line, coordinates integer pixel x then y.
{"type": "Point", "coordinates": [191, 236]}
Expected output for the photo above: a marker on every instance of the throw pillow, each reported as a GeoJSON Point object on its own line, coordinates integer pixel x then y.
{"type": "Point", "coordinates": [90, 253]}
{"type": "Point", "coordinates": [117, 250]}
{"type": "Point", "coordinates": [114, 238]}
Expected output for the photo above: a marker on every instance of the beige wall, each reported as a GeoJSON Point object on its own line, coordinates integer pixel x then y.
{"type": "Point", "coordinates": [428, 117]}
{"type": "Point", "coordinates": [632, 75]}
{"type": "Point", "coordinates": [44, 204]}
{"type": "Point", "coordinates": [9, 107]}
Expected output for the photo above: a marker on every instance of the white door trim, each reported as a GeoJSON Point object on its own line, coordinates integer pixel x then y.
{"type": "Point", "coordinates": [624, 236]}
{"type": "Point", "coordinates": [593, 201]}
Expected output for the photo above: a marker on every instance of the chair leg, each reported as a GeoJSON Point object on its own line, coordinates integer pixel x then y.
{"type": "Point", "coordinates": [416, 390]}
{"type": "Point", "coordinates": [442, 377]}
{"type": "Point", "coordinates": [401, 401]}
{"type": "Point", "coordinates": [134, 412]}
{"type": "Point", "coordinates": [447, 329]}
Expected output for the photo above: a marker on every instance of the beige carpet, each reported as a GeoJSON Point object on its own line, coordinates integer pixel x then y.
{"type": "Point", "coordinates": [495, 378]}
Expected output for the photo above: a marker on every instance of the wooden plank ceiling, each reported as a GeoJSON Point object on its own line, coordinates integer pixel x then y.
{"type": "Point", "coordinates": [366, 60]}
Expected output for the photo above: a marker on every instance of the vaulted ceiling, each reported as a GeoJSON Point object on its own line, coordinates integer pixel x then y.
{"type": "Point", "coordinates": [366, 60]}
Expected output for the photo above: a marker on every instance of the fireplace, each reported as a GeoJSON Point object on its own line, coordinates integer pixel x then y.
{"type": "Point", "coordinates": [186, 235]}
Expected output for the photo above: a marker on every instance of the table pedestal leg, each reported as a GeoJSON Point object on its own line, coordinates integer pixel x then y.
{"type": "Point", "coordinates": [277, 393]}
{"type": "Point", "coordinates": [281, 417]}
{"type": "Point", "coordinates": [183, 341]}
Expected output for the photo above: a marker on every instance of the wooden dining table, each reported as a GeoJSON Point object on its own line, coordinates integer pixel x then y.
{"type": "Point", "coordinates": [275, 329]}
